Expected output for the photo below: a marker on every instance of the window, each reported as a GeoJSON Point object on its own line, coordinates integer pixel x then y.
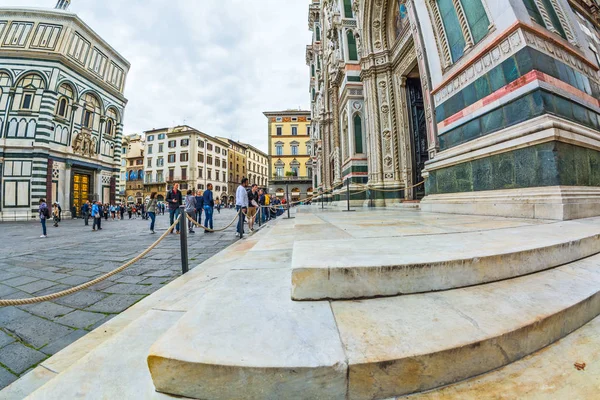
{"type": "Point", "coordinates": [217, 149]}
{"type": "Point", "coordinates": [279, 130]}
{"type": "Point", "coordinates": [358, 144]}
{"type": "Point", "coordinates": [224, 152]}
{"type": "Point", "coordinates": [171, 158]}
{"type": "Point", "coordinates": [352, 49]}
{"type": "Point", "coordinates": [318, 34]}
{"type": "Point", "coordinates": [224, 177]}
{"type": "Point", "coordinates": [183, 173]}
{"type": "Point", "coordinates": [209, 159]}
{"type": "Point", "coordinates": [160, 162]}
{"type": "Point", "coordinates": [295, 150]}
{"type": "Point", "coordinates": [130, 163]}
{"type": "Point", "coordinates": [348, 9]}
{"type": "Point", "coordinates": [231, 165]}
{"type": "Point", "coordinates": [185, 142]}
{"type": "Point", "coordinates": [161, 136]}
{"type": "Point", "coordinates": [92, 107]}
{"type": "Point", "coordinates": [209, 174]}
{"type": "Point", "coordinates": [209, 146]}
{"type": "Point", "coordinates": [87, 119]}
{"type": "Point", "coordinates": [161, 147]}
{"type": "Point", "coordinates": [62, 107]}
{"type": "Point", "coordinates": [150, 138]}
{"type": "Point", "coordinates": [149, 163]}
{"type": "Point", "coordinates": [200, 157]}
{"type": "Point", "coordinates": [217, 161]}
{"type": "Point", "coordinates": [454, 35]}
{"type": "Point", "coordinates": [279, 172]}
{"type": "Point", "coordinates": [172, 144]}
{"type": "Point", "coordinates": [200, 144]}
{"type": "Point", "coordinates": [183, 157]}
{"type": "Point", "coordinates": [224, 164]}
{"type": "Point", "coordinates": [159, 177]}
{"type": "Point", "coordinates": [308, 130]}
{"type": "Point", "coordinates": [171, 174]}
{"type": "Point", "coordinates": [200, 172]}
{"type": "Point", "coordinates": [149, 149]}
{"type": "Point", "coordinates": [546, 14]}
{"type": "Point", "coordinates": [294, 131]}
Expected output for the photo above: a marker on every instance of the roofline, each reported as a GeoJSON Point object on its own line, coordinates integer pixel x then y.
{"type": "Point", "coordinates": [75, 17]}
{"type": "Point", "coordinates": [286, 112]}
{"type": "Point", "coordinates": [256, 149]}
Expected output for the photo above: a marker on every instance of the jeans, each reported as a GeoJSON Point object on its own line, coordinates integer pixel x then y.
{"type": "Point", "coordinates": [242, 218]}
{"type": "Point", "coordinates": [172, 215]}
{"type": "Point", "coordinates": [199, 215]}
{"type": "Point", "coordinates": [86, 216]}
{"type": "Point", "coordinates": [43, 221]}
{"type": "Point", "coordinates": [152, 220]}
{"type": "Point", "coordinates": [191, 214]}
{"type": "Point", "coordinates": [98, 222]}
{"type": "Point", "coordinates": [208, 211]}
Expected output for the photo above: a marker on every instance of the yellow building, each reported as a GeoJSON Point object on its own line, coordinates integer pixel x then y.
{"type": "Point", "coordinates": [290, 164]}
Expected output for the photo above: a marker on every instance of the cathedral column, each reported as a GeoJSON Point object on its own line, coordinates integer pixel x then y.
{"type": "Point", "coordinates": [335, 126]}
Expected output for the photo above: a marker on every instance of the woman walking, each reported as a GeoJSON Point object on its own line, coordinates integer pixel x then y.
{"type": "Point", "coordinates": [190, 209]}
{"type": "Point", "coordinates": [209, 204]}
{"type": "Point", "coordinates": [152, 204]}
{"type": "Point", "coordinates": [97, 215]}
{"type": "Point", "coordinates": [44, 213]}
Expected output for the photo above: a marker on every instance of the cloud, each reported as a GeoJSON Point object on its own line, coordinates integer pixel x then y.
{"type": "Point", "coordinates": [215, 64]}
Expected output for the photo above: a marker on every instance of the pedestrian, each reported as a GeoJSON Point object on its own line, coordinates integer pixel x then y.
{"type": "Point", "coordinates": [143, 208]}
{"type": "Point", "coordinates": [152, 204]}
{"type": "Point", "coordinates": [55, 214]}
{"type": "Point", "coordinates": [44, 214]}
{"type": "Point", "coordinates": [190, 209]}
{"type": "Point", "coordinates": [122, 211]}
{"type": "Point", "coordinates": [129, 210]}
{"type": "Point", "coordinates": [209, 204]}
{"type": "Point", "coordinates": [105, 211]}
{"type": "Point", "coordinates": [85, 212]}
{"type": "Point", "coordinates": [262, 211]}
{"type": "Point", "coordinates": [97, 215]}
{"type": "Point", "coordinates": [241, 206]}
{"type": "Point", "coordinates": [59, 211]}
{"type": "Point", "coordinates": [219, 206]}
{"type": "Point", "coordinates": [113, 211]}
{"type": "Point", "coordinates": [174, 198]}
{"type": "Point", "coordinates": [199, 206]}
{"type": "Point", "coordinates": [252, 205]}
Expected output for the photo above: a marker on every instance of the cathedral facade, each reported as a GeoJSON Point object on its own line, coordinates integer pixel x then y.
{"type": "Point", "coordinates": [469, 106]}
{"type": "Point", "coordinates": [61, 112]}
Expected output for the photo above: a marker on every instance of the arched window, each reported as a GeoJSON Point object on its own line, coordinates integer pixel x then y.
{"type": "Point", "coordinates": [66, 97]}
{"type": "Point", "coordinates": [312, 70]}
{"type": "Point", "coordinates": [92, 107]}
{"type": "Point", "coordinates": [111, 118]}
{"type": "Point", "coordinates": [352, 50]}
{"type": "Point", "coordinates": [314, 94]}
{"type": "Point", "coordinates": [348, 9]}
{"type": "Point", "coordinates": [358, 142]}
{"type": "Point", "coordinates": [132, 175]}
{"type": "Point", "coordinates": [318, 34]}
{"type": "Point", "coordinates": [28, 87]}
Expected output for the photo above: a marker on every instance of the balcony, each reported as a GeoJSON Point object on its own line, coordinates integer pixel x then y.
{"type": "Point", "coordinates": [178, 178]}
{"type": "Point", "coordinates": [155, 181]}
{"type": "Point", "coordinates": [291, 178]}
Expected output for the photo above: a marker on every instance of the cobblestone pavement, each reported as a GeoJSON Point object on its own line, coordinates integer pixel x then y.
{"type": "Point", "coordinates": [71, 255]}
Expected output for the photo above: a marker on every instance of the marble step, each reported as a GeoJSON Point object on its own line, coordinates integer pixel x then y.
{"type": "Point", "coordinates": [378, 267]}
{"type": "Point", "coordinates": [248, 339]}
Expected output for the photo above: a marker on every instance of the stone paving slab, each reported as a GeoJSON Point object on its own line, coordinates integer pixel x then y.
{"type": "Point", "coordinates": [19, 358]}
{"type": "Point", "coordinates": [25, 271]}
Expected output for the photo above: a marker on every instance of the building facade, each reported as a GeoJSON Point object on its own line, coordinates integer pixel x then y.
{"type": "Point", "coordinates": [61, 112]}
{"type": "Point", "coordinates": [473, 106]}
{"type": "Point", "coordinates": [185, 156]}
{"type": "Point", "coordinates": [290, 148]}
{"type": "Point", "coordinates": [236, 166]}
{"type": "Point", "coordinates": [257, 165]}
{"type": "Point", "coordinates": [134, 170]}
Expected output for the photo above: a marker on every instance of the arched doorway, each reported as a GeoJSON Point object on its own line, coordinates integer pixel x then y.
{"type": "Point", "coordinates": [401, 135]}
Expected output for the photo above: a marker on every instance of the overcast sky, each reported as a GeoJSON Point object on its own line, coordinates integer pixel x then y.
{"type": "Point", "coordinates": [214, 64]}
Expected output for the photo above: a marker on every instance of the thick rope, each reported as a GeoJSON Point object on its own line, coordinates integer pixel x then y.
{"type": "Point", "coordinates": [41, 299]}
{"type": "Point", "coordinates": [212, 230]}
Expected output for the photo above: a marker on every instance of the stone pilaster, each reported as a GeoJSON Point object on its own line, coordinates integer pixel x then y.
{"type": "Point", "coordinates": [335, 110]}
{"type": "Point", "coordinates": [44, 131]}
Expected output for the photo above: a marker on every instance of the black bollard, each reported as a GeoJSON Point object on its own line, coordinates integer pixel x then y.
{"type": "Point", "coordinates": [348, 195]}
{"type": "Point", "coordinates": [183, 233]}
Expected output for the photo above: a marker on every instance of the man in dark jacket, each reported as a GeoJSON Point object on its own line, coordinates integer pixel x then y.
{"type": "Point", "coordinates": [175, 199]}
{"type": "Point", "coordinates": [199, 206]}
{"type": "Point", "coordinates": [85, 212]}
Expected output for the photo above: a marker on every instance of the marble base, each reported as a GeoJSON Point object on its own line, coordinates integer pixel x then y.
{"type": "Point", "coordinates": [554, 202]}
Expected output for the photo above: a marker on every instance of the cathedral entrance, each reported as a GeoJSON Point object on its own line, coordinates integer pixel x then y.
{"type": "Point", "coordinates": [80, 191]}
{"type": "Point", "coordinates": [418, 133]}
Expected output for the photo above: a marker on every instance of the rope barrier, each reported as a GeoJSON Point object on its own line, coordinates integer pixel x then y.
{"type": "Point", "coordinates": [41, 299]}
{"type": "Point", "coordinates": [214, 230]}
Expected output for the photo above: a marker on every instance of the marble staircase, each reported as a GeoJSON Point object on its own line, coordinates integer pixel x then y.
{"type": "Point", "coordinates": [447, 301]}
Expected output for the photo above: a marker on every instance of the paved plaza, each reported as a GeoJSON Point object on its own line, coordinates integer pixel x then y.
{"type": "Point", "coordinates": [71, 255]}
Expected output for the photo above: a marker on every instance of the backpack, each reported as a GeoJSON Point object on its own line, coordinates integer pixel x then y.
{"type": "Point", "coordinates": [46, 212]}
{"type": "Point", "coordinates": [267, 199]}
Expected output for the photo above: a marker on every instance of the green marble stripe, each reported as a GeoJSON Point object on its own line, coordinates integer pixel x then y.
{"type": "Point", "coordinates": [547, 164]}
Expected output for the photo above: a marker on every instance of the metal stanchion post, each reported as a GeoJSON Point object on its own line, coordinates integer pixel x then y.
{"type": "Point", "coordinates": [183, 232]}
{"type": "Point", "coordinates": [259, 215]}
{"type": "Point", "coordinates": [323, 200]}
{"type": "Point", "coordinates": [287, 197]}
{"type": "Point", "coordinates": [348, 195]}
